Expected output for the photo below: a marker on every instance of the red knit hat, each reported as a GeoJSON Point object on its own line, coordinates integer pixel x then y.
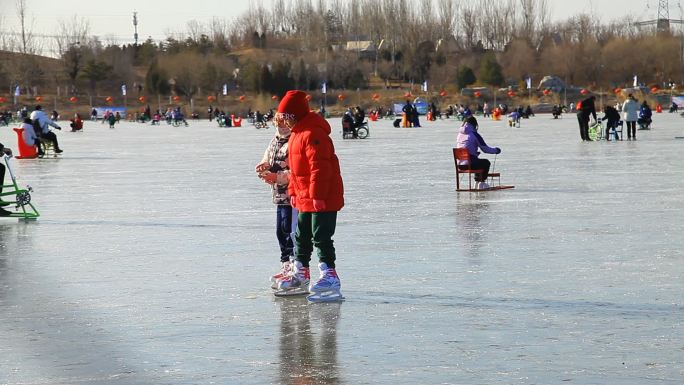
{"type": "Point", "coordinates": [294, 105]}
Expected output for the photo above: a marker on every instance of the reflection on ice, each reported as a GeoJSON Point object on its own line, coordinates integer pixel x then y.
{"type": "Point", "coordinates": [308, 342]}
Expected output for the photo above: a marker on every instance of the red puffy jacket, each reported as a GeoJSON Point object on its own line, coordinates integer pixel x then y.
{"type": "Point", "coordinates": [314, 167]}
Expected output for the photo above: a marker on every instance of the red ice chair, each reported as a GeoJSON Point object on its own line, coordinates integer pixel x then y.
{"type": "Point", "coordinates": [237, 121]}
{"type": "Point", "coordinates": [461, 154]}
{"type": "Point", "coordinates": [25, 151]}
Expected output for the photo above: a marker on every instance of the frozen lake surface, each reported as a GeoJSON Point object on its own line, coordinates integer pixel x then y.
{"type": "Point", "coordinates": [150, 262]}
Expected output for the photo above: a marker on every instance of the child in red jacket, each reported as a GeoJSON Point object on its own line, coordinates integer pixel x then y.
{"type": "Point", "coordinates": [317, 193]}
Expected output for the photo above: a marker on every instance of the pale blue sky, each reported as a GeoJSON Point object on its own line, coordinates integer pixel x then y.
{"type": "Point", "coordinates": [114, 18]}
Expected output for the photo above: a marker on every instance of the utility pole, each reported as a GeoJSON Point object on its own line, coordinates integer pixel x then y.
{"type": "Point", "coordinates": [663, 21]}
{"type": "Point", "coordinates": [135, 27]}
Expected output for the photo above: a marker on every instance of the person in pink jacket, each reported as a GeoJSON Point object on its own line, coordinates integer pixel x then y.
{"type": "Point", "coordinates": [469, 138]}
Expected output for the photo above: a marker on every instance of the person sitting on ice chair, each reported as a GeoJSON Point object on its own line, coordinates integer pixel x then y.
{"type": "Point", "coordinates": [41, 124]}
{"type": "Point", "coordinates": [8, 152]}
{"type": "Point", "coordinates": [470, 139]}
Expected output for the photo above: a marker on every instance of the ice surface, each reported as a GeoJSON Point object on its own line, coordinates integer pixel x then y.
{"type": "Point", "coordinates": [151, 260]}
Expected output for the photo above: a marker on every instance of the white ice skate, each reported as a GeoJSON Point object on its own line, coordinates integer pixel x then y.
{"type": "Point", "coordinates": [327, 288]}
{"type": "Point", "coordinates": [296, 283]}
{"type": "Point", "coordinates": [285, 270]}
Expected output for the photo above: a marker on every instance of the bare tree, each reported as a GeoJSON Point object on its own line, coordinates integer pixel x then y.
{"type": "Point", "coordinates": [71, 42]}
{"type": "Point", "coordinates": [219, 33]}
{"type": "Point", "coordinates": [75, 30]}
{"type": "Point", "coordinates": [26, 34]}
{"type": "Point", "coordinates": [4, 38]}
{"type": "Point", "coordinates": [195, 30]}
{"type": "Point", "coordinates": [468, 22]}
{"type": "Point", "coordinates": [543, 20]}
{"type": "Point", "coordinates": [447, 17]}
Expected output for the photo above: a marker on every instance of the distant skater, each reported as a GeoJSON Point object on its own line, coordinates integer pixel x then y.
{"type": "Point", "coordinates": [630, 110]}
{"type": "Point", "coordinates": [612, 117]}
{"type": "Point", "coordinates": [587, 108]}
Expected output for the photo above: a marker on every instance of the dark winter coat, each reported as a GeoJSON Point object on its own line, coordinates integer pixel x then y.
{"type": "Point", "coordinates": [611, 114]}
{"type": "Point", "coordinates": [588, 109]}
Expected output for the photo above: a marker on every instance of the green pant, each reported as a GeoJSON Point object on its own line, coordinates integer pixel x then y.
{"type": "Point", "coordinates": [316, 229]}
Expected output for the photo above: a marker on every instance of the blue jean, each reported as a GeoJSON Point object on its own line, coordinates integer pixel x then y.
{"type": "Point", "coordinates": [286, 224]}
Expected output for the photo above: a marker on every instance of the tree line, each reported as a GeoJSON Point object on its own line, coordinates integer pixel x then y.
{"type": "Point", "coordinates": [301, 43]}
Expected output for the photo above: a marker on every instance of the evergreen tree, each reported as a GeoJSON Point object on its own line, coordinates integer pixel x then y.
{"type": "Point", "coordinates": [465, 77]}
{"type": "Point", "coordinates": [282, 80]}
{"type": "Point", "coordinates": [157, 80]}
{"type": "Point", "coordinates": [209, 78]}
{"type": "Point", "coordinates": [333, 27]}
{"type": "Point", "coordinates": [96, 71]}
{"type": "Point", "coordinates": [265, 80]}
{"type": "Point", "coordinates": [490, 70]}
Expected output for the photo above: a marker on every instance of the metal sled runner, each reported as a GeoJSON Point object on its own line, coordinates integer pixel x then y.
{"type": "Point", "coordinates": [24, 209]}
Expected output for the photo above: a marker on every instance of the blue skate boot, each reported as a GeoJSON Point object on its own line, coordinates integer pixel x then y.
{"type": "Point", "coordinates": [327, 287]}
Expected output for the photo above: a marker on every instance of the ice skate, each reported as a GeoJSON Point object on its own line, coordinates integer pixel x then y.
{"type": "Point", "coordinates": [285, 270]}
{"type": "Point", "coordinates": [295, 283]}
{"type": "Point", "coordinates": [327, 288]}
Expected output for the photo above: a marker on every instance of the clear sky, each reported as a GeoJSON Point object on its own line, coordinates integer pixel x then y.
{"type": "Point", "coordinates": [155, 18]}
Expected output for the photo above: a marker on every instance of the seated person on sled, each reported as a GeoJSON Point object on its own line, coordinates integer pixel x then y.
{"type": "Point", "coordinates": [470, 139]}
{"type": "Point", "coordinates": [29, 135]}
{"type": "Point", "coordinates": [41, 125]}
{"type": "Point", "coordinates": [349, 123]}
{"type": "Point", "coordinates": [76, 123]}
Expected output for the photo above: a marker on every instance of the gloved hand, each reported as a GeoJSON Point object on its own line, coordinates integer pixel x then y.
{"type": "Point", "coordinates": [293, 201]}
{"type": "Point", "coordinates": [59, 128]}
{"type": "Point", "coordinates": [498, 150]}
{"type": "Point", "coordinates": [319, 204]}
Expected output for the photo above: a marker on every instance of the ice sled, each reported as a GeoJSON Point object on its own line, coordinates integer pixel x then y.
{"type": "Point", "coordinates": [461, 155]}
{"type": "Point", "coordinates": [23, 207]}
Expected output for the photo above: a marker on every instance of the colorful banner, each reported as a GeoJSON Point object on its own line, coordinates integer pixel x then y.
{"type": "Point", "coordinates": [113, 109]}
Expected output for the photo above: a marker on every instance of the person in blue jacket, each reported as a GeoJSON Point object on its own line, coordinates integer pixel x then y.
{"type": "Point", "coordinates": [645, 115]}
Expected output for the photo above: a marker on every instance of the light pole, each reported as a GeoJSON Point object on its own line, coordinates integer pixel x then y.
{"type": "Point", "coordinates": [377, 52]}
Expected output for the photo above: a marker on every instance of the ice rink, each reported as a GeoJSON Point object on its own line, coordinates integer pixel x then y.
{"type": "Point", "coordinates": [150, 261]}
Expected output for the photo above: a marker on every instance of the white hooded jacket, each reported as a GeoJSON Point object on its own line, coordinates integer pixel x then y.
{"type": "Point", "coordinates": [43, 121]}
